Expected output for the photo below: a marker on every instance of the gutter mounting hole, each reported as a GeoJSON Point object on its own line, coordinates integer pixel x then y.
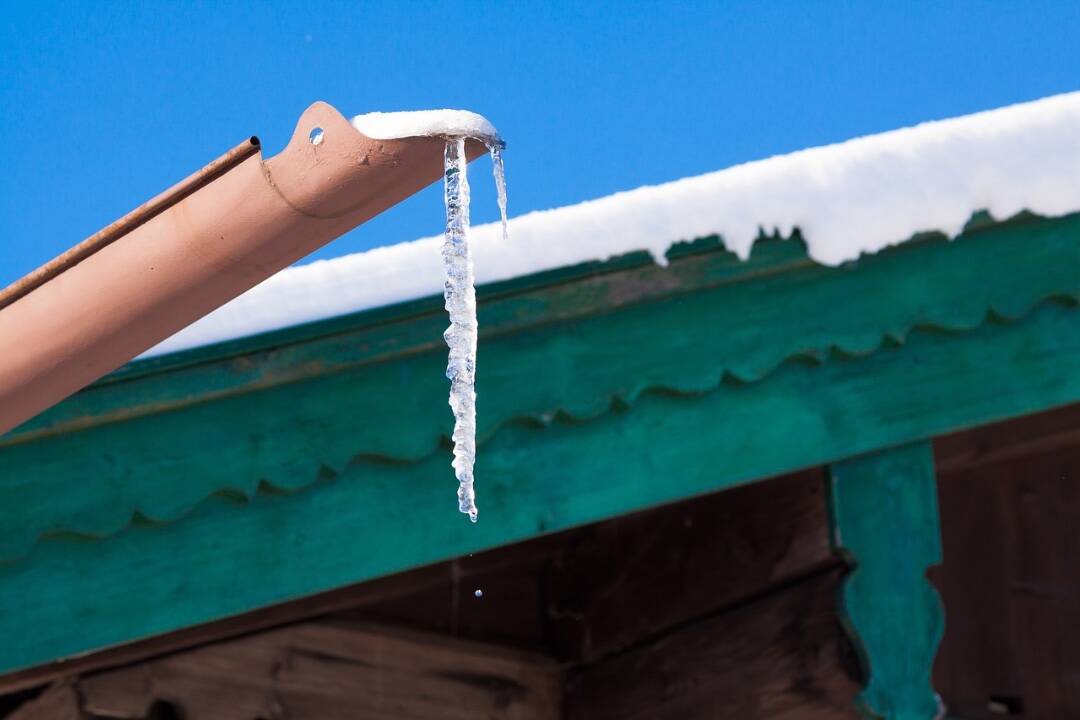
{"type": "Point", "coordinates": [315, 137]}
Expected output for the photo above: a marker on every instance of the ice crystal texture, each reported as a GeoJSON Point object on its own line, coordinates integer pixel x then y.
{"type": "Point", "coordinates": [500, 184]}
{"type": "Point", "coordinates": [460, 298]}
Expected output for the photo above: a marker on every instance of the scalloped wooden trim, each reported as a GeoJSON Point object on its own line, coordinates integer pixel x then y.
{"type": "Point", "coordinates": [379, 518]}
{"type": "Point", "coordinates": [324, 470]}
{"type": "Point", "coordinates": [768, 289]}
{"type": "Point", "coordinates": [933, 286]}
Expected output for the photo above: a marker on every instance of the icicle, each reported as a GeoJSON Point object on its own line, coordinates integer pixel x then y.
{"type": "Point", "coordinates": [461, 335]}
{"type": "Point", "coordinates": [461, 305]}
{"type": "Point", "coordinates": [500, 183]}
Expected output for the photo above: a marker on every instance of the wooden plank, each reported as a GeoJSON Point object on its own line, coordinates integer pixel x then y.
{"type": "Point", "coordinates": [1011, 586]}
{"type": "Point", "coordinates": [932, 280]}
{"type": "Point", "coordinates": [977, 660]}
{"type": "Point", "coordinates": [390, 597]}
{"type": "Point", "coordinates": [685, 562]}
{"type": "Point", "coordinates": [58, 702]}
{"type": "Point", "coordinates": [1043, 557]}
{"type": "Point", "coordinates": [577, 594]}
{"type": "Point", "coordinates": [386, 334]}
{"type": "Point", "coordinates": [1037, 434]}
{"type": "Point", "coordinates": [630, 579]}
{"type": "Point", "coordinates": [884, 519]}
{"type": "Point", "coordinates": [377, 517]}
{"type": "Point", "coordinates": [332, 670]}
{"type": "Point", "coordinates": [781, 657]}
{"type": "Point", "coordinates": [286, 416]}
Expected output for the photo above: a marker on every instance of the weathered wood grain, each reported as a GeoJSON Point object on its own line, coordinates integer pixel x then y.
{"type": "Point", "coordinates": [625, 581]}
{"type": "Point", "coordinates": [778, 658]}
{"type": "Point", "coordinates": [391, 597]}
{"type": "Point", "coordinates": [58, 702]}
{"type": "Point", "coordinates": [576, 594]}
{"type": "Point", "coordinates": [976, 660]}
{"type": "Point", "coordinates": [1011, 585]}
{"type": "Point", "coordinates": [988, 445]}
{"type": "Point", "coordinates": [332, 670]}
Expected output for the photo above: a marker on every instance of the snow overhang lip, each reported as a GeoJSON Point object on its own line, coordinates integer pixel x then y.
{"type": "Point", "coordinates": [194, 247]}
{"type": "Point", "coordinates": [429, 123]}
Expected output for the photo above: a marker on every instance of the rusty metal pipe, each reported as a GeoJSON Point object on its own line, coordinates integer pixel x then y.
{"type": "Point", "coordinates": [193, 248]}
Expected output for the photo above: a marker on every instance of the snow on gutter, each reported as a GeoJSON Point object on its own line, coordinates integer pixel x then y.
{"type": "Point", "coordinates": [427, 123]}
{"type": "Point", "coordinates": [847, 199]}
{"type": "Point", "coordinates": [201, 243]}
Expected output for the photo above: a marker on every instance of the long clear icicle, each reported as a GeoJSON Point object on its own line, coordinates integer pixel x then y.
{"type": "Point", "coordinates": [499, 169]}
{"type": "Point", "coordinates": [461, 335]}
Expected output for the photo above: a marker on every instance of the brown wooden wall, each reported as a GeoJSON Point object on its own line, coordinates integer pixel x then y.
{"type": "Point", "coordinates": [1010, 506]}
{"type": "Point", "coordinates": [721, 606]}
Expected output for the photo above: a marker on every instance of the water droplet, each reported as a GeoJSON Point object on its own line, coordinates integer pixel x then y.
{"type": "Point", "coordinates": [479, 593]}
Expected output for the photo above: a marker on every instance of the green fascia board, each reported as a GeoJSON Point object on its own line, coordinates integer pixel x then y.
{"type": "Point", "coordinates": [232, 554]}
{"type": "Point", "coordinates": [607, 392]}
{"type": "Point", "coordinates": [154, 444]}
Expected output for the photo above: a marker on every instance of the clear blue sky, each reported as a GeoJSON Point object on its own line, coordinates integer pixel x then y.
{"type": "Point", "coordinates": [105, 104]}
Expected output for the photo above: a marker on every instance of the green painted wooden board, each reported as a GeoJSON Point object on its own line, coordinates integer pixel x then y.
{"type": "Point", "coordinates": [759, 313]}
{"type": "Point", "coordinates": [229, 478]}
{"type": "Point", "coordinates": [380, 516]}
{"type": "Point", "coordinates": [156, 444]}
{"type": "Point", "coordinates": [884, 519]}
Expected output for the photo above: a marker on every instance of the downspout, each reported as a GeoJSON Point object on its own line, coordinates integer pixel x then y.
{"type": "Point", "coordinates": [193, 248]}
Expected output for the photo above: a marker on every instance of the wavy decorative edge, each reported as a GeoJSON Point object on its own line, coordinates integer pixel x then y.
{"type": "Point", "coordinates": [868, 514]}
{"type": "Point", "coordinates": [614, 402]}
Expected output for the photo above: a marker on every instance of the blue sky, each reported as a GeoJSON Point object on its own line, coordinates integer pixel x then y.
{"type": "Point", "coordinates": [106, 104]}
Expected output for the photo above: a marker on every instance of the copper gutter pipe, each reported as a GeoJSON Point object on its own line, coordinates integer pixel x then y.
{"type": "Point", "coordinates": [193, 248]}
{"type": "Point", "coordinates": [129, 222]}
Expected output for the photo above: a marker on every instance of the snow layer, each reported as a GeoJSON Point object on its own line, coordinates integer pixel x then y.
{"type": "Point", "coordinates": [847, 199]}
{"type": "Point", "coordinates": [426, 123]}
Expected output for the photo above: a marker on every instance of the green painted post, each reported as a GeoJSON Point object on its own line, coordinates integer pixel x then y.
{"type": "Point", "coordinates": [884, 519]}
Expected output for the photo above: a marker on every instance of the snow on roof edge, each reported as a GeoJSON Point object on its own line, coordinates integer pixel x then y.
{"type": "Point", "coordinates": [847, 199]}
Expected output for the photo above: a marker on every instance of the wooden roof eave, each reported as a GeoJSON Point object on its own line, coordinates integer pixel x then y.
{"type": "Point", "coordinates": [261, 470]}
